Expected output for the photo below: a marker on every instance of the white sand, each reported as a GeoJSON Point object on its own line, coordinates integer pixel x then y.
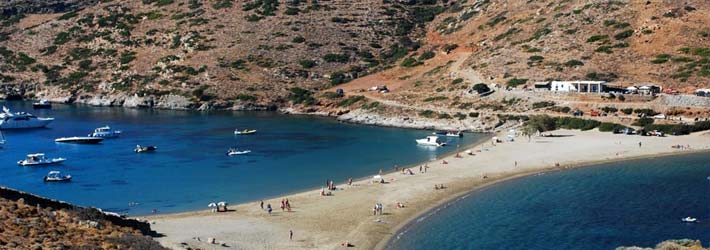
{"type": "Point", "coordinates": [324, 222]}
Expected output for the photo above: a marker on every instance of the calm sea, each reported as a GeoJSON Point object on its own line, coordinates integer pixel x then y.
{"type": "Point", "coordinates": [638, 202]}
{"type": "Point", "coordinates": [190, 169]}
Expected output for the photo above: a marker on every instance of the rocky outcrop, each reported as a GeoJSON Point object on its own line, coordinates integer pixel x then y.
{"type": "Point", "coordinates": [684, 244]}
{"type": "Point", "coordinates": [685, 101]}
{"type": "Point", "coordinates": [364, 117]}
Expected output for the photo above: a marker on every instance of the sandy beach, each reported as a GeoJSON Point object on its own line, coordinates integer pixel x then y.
{"type": "Point", "coordinates": [324, 222]}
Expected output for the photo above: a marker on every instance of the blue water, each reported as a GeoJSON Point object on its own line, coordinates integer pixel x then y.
{"type": "Point", "coordinates": [190, 168]}
{"type": "Point", "coordinates": [628, 203]}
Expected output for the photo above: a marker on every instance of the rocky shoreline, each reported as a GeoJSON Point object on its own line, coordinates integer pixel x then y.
{"type": "Point", "coordinates": [179, 102]}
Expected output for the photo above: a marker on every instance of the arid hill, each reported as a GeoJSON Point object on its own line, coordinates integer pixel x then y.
{"type": "Point", "coordinates": [223, 52]}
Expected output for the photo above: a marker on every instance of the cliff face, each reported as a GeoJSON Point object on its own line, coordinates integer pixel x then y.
{"type": "Point", "coordinates": [684, 244]}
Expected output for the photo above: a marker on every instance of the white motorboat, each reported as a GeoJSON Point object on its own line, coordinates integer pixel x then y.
{"type": "Point", "coordinates": [454, 134]}
{"type": "Point", "coordinates": [448, 133]}
{"type": "Point", "coordinates": [21, 120]}
{"type": "Point", "coordinates": [39, 159]}
{"type": "Point", "coordinates": [42, 104]}
{"type": "Point", "coordinates": [105, 132]}
{"type": "Point", "coordinates": [142, 149]}
{"type": "Point", "coordinates": [234, 151]}
{"type": "Point", "coordinates": [56, 176]}
{"type": "Point", "coordinates": [79, 140]}
{"type": "Point", "coordinates": [431, 141]}
{"type": "Point", "coordinates": [689, 219]}
{"type": "Point", "coordinates": [244, 132]}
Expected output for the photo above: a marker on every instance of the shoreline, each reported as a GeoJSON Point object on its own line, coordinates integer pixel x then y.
{"type": "Point", "coordinates": [347, 209]}
{"type": "Point", "coordinates": [443, 204]}
{"type": "Point", "coordinates": [487, 136]}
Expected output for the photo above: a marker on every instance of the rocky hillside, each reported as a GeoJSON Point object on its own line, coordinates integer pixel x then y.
{"type": "Point", "coordinates": [628, 42]}
{"type": "Point", "coordinates": [32, 227]}
{"type": "Point", "coordinates": [224, 53]}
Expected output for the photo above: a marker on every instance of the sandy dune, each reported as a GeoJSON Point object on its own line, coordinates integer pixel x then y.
{"type": "Point", "coordinates": [324, 222]}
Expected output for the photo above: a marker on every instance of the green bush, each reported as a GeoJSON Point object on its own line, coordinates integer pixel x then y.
{"type": "Point", "coordinates": [624, 34]}
{"type": "Point", "coordinates": [427, 113]}
{"type": "Point", "coordinates": [610, 109]}
{"type": "Point", "coordinates": [307, 64]}
{"type": "Point", "coordinates": [516, 82]}
{"type": "Point", "coordinates": [576, 123]}
{"type": "Point", "coordinates": [643, 121]}
{"type": "Point", "coordinates": [340, 58]}
{"type": "Point", "coordinates": [222, 4]}
{"type": "Point", "coordinates": [298, 39]}
{"type": "Point", "coordinates": [351, 100]}
{"type": "Point", "coordinates": [427, 55]}
{"type": "Point", "coordinates": [436, 98]}
{"type": "Point", "coordinates": [481, 88]}
{"type": "Point", "coordinates": [543, 104]}
{"type": "Point", "coordinates": [410, 62]}
{"type": "Point", "coordinates": [609, 127]}
{"type": "Point", "coordinates": [246, 98]}
{"type": "Point", "coordinates": [301, 96]}
{"type": "Point", "coordinates": [597, 38]}
{"type": "Point", "coordinates": [627, 111]}
{"type": "Point", "coordinates": [574, 63]}
{"type": "Point", "coordinates": [646, 112]}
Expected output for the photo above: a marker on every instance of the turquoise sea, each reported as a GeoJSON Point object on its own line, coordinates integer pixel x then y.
{"type": "Point", "coordinates": [630, 203]}
{"type": "Point", "coordinates": [190, 169]}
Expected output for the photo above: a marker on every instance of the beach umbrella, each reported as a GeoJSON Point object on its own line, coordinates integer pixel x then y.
{"type": "Point", "coordinates": [212, 205]}
{"type": "Point", "coordinates": [222, 204]}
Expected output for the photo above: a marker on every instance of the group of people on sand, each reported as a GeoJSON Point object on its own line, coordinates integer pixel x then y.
{"type": "Point", "coordinates": [407, 171]}
{"type": "Point", "coordinates": [377, 209]}
{"type": "Point", "coordinates": [681, 147]}
{"type": "Point", "coordinates": [285, 205]}
{"type": "Point", "coordinates": [437, 187]}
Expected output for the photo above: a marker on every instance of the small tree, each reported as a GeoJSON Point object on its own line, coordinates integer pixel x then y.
{"type": "Point", "coordinates": [541, 123]}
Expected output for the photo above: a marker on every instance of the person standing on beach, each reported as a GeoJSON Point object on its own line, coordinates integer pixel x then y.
{"type": "Point", "coordinates": [350, 181]}
{"type": "Point", "coordinates": [516, 163]}
{"type": "Point", "coordinates": [639, 144]}
{"type": "Point", "coordinates": [268, 208]}
{"type": "Point", "coordinates": [261, 204]}
{"type": "Point", "coordinates": [290, 234]}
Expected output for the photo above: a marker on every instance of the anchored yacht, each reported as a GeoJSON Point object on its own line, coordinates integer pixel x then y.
{"type": "Point", "coordinates": [20, 120]}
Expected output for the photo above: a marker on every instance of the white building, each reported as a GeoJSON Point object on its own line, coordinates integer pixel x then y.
{"type": "Point", "coordinates": [578, 86]}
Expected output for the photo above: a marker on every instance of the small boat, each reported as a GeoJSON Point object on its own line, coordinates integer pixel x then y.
{"type": "Point", "coordinates": [454, 134]}
{"type": "Point", "coordinates": [244, 132]}
{"type": "Point", "coordinates": [39, 159]}
{"type": "Point", "coordinates": [80, 140]}
{"type": "Point", "coordinates": [21, 120]}
{"type": "Point", "coordinates": [234, 151]}
{"type": "Point", "coordinates": [439, 133]}
{"type": "Point", "coordinates": [689, 219]}
{"type": "Point", "coordinates": [105, 132]}
{"type": "Point", "coordinates": [56, 176]}
{"type": "Point", "coordinates": [42, 104]}
{"type": "Point", "coordinates": [2, 140]}
{"type": "Point", "coordinates": [143, 149]}
{"type": "Point", "coordinates": [431, 141]}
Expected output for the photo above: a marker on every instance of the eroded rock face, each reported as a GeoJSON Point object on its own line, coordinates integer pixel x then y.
{"type": "Point", "coordinates": [174, 102]}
